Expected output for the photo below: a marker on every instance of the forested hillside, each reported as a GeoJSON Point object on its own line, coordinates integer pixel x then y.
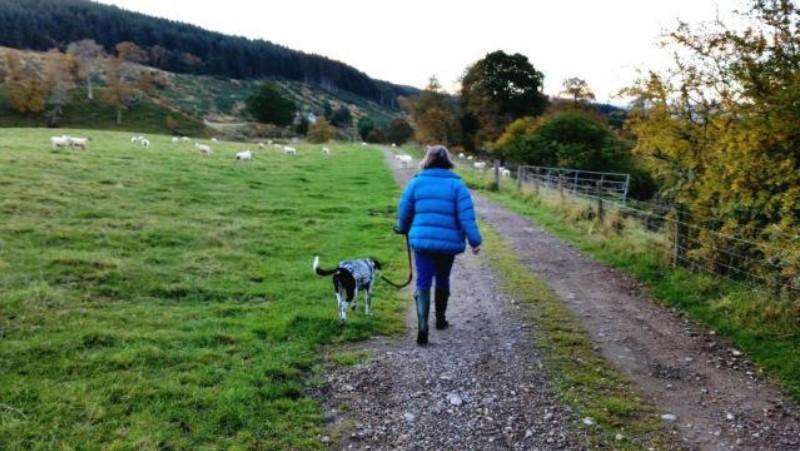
{"type": "Point", "coordinates": [179, 47]}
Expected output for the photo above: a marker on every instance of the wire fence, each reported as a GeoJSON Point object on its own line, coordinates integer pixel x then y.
{"type": "Point", "coordinates": [765, 258]}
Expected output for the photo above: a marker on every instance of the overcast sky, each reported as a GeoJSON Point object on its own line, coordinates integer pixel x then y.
{"type": "Point", "coordinates": [604, 42]}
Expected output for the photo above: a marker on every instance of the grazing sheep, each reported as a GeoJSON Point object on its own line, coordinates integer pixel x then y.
{"type": "Point", "coordinates": [479, 165]}
{"type": "Point", "coordinates": [214, 140]}
{"type": "Point", "coordinates": [405, 160]}
{"type": "Point", "coordinates": [244, 156]}
{"type": "Point", "coordinates": [277, 146]}
{"type": "Point", "coordinates": [461, 156]}
{"type": "Point", "coordinates": [145, 143]}
{"type": "Point", "coordinates": [269, 141]}
{"type": "Point", "coordinates": [260, 145]}
{"type": "Point", "coordinates": [505, 172]}
{"type": "Point", "coordinates": [59, 141]}
{"type": "Point", "coordinates": [185, 139]}
{"type": "Point", "coordinates": [469, 158]}
{"type": "Point", "coordinates": [326, 151]}
{"type": "Point", "coordinates": [204, 149]}
{"type": "Point", "coordinates": [175, 140]}
{"type": "Point", "coordinates": [75, 141]}
{"type": "Point", "coordinates": [394, 145]}
{"type": "Point", "coordinates": [363, 143]}
{"type": "Point", "coordinates": [135, 139]}
{"type": "Point", "coordinates": [289, 150]}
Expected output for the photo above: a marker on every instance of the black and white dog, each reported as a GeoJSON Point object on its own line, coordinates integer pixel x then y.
{"type": "Point", "coordinates": [349, 277]}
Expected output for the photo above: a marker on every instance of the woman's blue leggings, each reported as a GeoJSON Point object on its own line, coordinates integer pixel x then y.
{"type": "Point", "coordinates": [432, 265]}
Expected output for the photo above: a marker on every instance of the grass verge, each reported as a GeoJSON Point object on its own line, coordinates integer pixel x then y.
{"type": "Point", "coordinates": [765, 328]}
{"type": "Point", "coordinates": [159, 299]}
{"type": "Point", "coordinates": [583, 379]}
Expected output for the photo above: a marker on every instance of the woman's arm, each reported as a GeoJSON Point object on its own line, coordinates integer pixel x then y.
{"type": "Point", "coordinates": [405, 211]}
{"type": "Point", "coordinates": [466, 216]}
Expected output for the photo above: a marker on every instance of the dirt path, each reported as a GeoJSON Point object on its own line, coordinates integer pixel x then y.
{"type": "Point", "coordinates": [477, 385]}
{"type": "Point", "coordinates": [719, 401]}
{"type": "Point", "coordinates": [402, 398]}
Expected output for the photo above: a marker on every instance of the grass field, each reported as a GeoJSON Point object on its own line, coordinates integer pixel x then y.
{"type": "Point", "coordinates": [158, 299]}
{"type": "Point", "coordinates": [765, 328]}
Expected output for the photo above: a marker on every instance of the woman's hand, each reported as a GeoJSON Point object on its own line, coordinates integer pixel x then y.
{"type": "Point", "coordinates": [476, 250]}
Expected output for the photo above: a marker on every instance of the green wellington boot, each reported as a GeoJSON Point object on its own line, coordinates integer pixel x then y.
{"type": "Point", "coordinates": [441, 307]}
{"type": "Point", "coordinates": [423, 299]}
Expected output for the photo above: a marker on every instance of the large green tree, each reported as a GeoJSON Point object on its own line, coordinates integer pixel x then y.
{"type": "Point", "coordinates": [267, 105]}
{"type": "Point", "coordinates": [498, 89]}
{"type": "Point", "coordinates": [434, 117]}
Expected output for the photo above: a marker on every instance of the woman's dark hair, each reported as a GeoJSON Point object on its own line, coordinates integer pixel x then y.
{"type": "Point", "coordinates": [437, 157]}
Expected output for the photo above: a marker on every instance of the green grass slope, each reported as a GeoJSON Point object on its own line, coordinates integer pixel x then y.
{"type": "Point", "coordinates": [145, 116]}
{"type": "Point", "coordinates": [159, 299]}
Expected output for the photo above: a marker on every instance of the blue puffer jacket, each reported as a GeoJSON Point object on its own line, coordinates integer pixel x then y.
{"type": "Point", "coordinates": [437, 213]}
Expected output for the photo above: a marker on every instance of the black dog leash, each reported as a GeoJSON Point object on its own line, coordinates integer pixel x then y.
{"type": "Point", "coordinates": [410, 269]}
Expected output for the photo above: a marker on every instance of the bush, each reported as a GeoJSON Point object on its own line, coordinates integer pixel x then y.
{"type": "Point", "coordinates": [321, 131]}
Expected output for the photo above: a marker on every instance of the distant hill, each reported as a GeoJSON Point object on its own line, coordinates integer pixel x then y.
{"type": "Point", "coordinates": [44, 24]}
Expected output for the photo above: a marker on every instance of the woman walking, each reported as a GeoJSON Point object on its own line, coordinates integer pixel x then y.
{"type": "Point", "coordinates": [437, 213]}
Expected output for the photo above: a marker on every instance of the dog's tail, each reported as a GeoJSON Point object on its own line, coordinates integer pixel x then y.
{"type": "Point", "coordinates": [320, 271]}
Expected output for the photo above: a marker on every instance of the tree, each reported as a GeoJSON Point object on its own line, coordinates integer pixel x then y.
{"type": "Point", "coordinates": [578, 89]}
{"type": "Point", "coordinates": [158, 56]}
{"type": "Point", "coordinates": [365, 125]}
{"type": "Point", "coordinates": [267, 105]}
{"type": "Point", "coordinates": [130, 52]}
{"type": "Point", "coordinates": [302, 124]}
{"type": "Point", "coordinates": [87, 53]}
{"type": "Point", "coordinates": [27, 92]}
{"type": "Point", "coordinates": [321, 131]}
{"type": "Point", "coordinates": [398, 131]}
{"type": "Point", "coordinates": [720, 131]}
{"type": "Point", "coordinates": [498, 89]}
{"type": "Point", "coordinates": [58, 79]}
{"type": "Point", "coordinates": [376, 135]}
{"type": "Point", "coordinates": [433, 116]}
{"type": "Point", "coordinates": [146, 83]}
{"type": "Point", "coordinates": [342, 117]}
{"type": "Point", "coordinates": [119, 94]}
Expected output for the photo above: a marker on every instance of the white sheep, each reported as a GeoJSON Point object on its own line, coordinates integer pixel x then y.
{"type": "Point", "coordinates": [135, 139]}
{"type": "Point", "coordinates": [277, 146]}
{"type": "Point", "coordinates": [363, 143]}
{"type": "Point", "coordinates": [405, 160]}
{"type": "Point", "coordinates": [461, 156]}
{"type": "Point", "coordinates": [145, 143]}
{"type": "Point", "coordinates": [75, 141]}
{"type": "Point", "coordinates": [469, 158]}
{"type": "Point", "coordinates": [214, 140]}
{"type": "Point", "coordinates": [185, 139]}
{"type": "Point", "coordinates": [175, 140]}
{"type": "Point", "coordinates": [269, 141]}
{"type": "Point", "coordinates": [479, 165]}
{"type": "Point", "coordinates": [260, 145]}
{"type": "Point", "coordinates": [59, 141]}
{"type": "Point", "coordinates": [326, 151]}
{"type": "Point", "coordinates": [505, 172]}
{"type": "Point", "coordinates": [394, 145]}
{"type": "Point", "coordinates": [204, 149]}
{"type": "Point", "coordinates": [289, 150]}
{"type": "Point", "coordinates": [244, 156]}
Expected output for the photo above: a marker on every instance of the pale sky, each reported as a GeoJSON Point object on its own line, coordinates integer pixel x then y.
{"type": "Point", "coordinates": [603, 42]}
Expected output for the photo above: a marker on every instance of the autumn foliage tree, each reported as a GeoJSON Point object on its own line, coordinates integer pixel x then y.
{"type": "Point", "coordinates": [578, 89]}
{"type": "Point", "coordinates": [434, 117]}
{"type": "Point", "coordinates": [120, 93]}
{"type": "Point", "coordinates": [720, 130]}
{"type": "Point", "coordinates": [321, 131]}
{"type": "Point", "coordinates": [27, 92]}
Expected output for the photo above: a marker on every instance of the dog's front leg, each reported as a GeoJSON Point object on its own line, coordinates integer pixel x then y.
{"type": "Point", "coordinates": [342, 305]}
{"type": "Point", "coordinates": [368, 300]}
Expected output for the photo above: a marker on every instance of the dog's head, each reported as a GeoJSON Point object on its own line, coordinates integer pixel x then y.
{"type": "Point", "coordinates": [375, 263]}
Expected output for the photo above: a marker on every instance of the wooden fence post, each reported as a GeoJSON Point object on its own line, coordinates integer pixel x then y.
{"type": "Point", "coordinates": [561, 188]}
{"type": "Point", "coordinates": [601, 214]}
{"type": "Point", "coordinates": [679, 252]}
{"type": "Point", "coordinates": [497, 174]}
{"type": "Point", "coordinates": [519, 178]}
